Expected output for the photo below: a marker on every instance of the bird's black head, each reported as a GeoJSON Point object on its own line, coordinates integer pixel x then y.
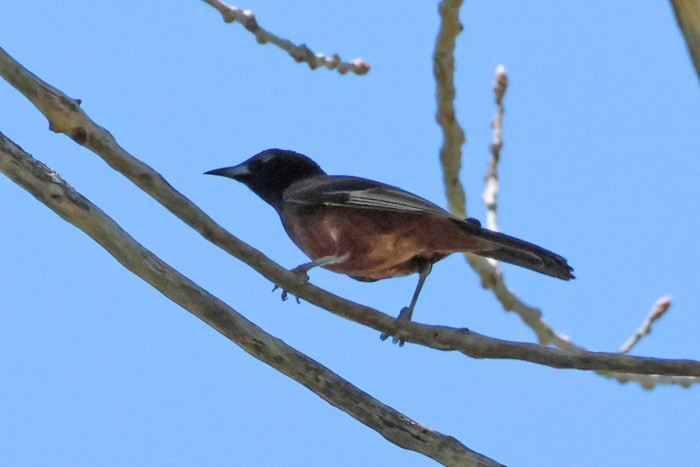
{"type": "Point", "coordinates": [271, 172]}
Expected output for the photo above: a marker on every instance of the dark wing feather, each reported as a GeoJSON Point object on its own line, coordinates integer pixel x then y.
{"type": "Point", "coordinates": [359, 193]}
{"type": "Point", "coordinates": [512, 250]}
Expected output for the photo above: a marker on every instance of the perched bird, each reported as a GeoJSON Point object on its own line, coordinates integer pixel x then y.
{"type": "Point", "coordinates": [369, 230]}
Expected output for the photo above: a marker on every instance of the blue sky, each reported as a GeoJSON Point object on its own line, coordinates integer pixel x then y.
{"type": "Point", "coordinates": [600, 164]}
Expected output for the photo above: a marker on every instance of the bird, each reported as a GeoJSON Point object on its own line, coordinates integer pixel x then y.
{"type": "Point", "coordinates": [370, 230]}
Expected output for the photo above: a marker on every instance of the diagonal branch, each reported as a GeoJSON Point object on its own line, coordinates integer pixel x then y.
{"type": "Point", "coordinates": [48, 187]}
{"type": "Point", "coordinates": [688, 17]}
{"type": "Point", "coordinates": [300, 53]}
{"type": "Point", "coordinates": [66, 116]}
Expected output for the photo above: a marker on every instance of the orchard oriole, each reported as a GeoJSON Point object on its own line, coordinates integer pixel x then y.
{"type": "Point", "coordinates": [370, 230]}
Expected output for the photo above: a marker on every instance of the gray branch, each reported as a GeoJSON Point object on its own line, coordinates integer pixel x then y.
{"type": "Point", "coordinates": [688, 17]}
{"type": "Point", "coordinates": [300, 53]}
{"type": "Point", "coordinates": [453, 136]}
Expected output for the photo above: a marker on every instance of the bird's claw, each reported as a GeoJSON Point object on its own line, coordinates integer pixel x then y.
{"type": "Point", "coordinates": [285, 294]}
{"type": "Point", "coordinates": [300, 272]}
{"type": "Point", "coordinates": [397, 337]}
{"type": "Point", "coordinates": [394, 339]}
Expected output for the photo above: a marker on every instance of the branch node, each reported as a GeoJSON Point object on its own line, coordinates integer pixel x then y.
{"type": "Point", "coordinates": [79, 135]}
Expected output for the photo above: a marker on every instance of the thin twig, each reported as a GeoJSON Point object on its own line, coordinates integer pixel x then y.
{"type": "Point", "coordinates": [48, 187]}
{"type": "Point", "coordinates": [300, 53]}
{"type": "Point", "coordinates": [657, 311]}
{"type": "Point", "coordinates": [66, 116]}
{"type": "Point", "coordinates": [490, 195]}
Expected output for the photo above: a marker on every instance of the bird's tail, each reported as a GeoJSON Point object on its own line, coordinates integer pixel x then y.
{"type": "Point", "coordinates": [512, 250]}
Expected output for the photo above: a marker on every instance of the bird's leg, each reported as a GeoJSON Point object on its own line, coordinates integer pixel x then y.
{"type": "Point", "coordinates": [302, 270]}
{"type": "Point", "coordinates": [407, 312]}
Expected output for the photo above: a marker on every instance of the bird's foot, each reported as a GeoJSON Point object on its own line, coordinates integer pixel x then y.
{"type": "Point", "coordinates": [300, 272]}
{"type": "Point", "coordinates": [285, 294]}
{"type": "Point", "coordinates": [397, 338]}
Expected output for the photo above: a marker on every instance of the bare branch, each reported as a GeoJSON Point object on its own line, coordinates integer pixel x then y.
{"type": "Point", "coordinates": [48, 187]}
{"type": "Point", "coordinates": [300, 53]}
{"type": "Point", "coordinates": [657, 311]}
{"type": "Point", "coordinates": [66, 116]}
{"type": "Point", "coordinates": [688, 17]}
{"type": "Point", "coordinates": [531, 316]}
{"type": "Point", "coordinates": [452, 133]}
{"type": "Point", "coordinates": [490, 195]}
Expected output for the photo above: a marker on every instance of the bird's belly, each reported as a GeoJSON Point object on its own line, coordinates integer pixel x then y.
{"type": "Point", "coordinates": [385, 256]}
{"type": "Point", "coordinates": [375, 249]}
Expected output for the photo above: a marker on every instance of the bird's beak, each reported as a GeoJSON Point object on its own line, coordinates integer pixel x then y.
{"type": "Point", "coordinates": [237, 172]}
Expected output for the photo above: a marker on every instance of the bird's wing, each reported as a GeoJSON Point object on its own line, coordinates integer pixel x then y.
{"type": "Point", "coordinates": [358, 193]}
